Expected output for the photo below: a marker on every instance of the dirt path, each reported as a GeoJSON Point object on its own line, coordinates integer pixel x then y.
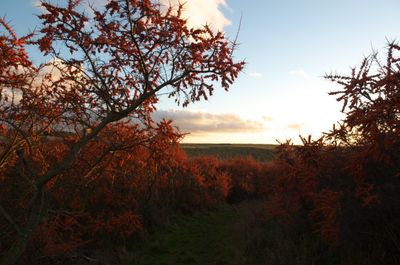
{"type": "Point", "coordinates": [205, 238]}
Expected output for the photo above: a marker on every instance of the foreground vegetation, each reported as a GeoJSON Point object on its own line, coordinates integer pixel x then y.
{"type": "Point", "coordinates": [107, 68]}
{"type": "Point", "coordinates": [200, 238]}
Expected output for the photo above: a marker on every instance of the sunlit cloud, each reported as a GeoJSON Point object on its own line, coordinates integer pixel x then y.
{"type": "Point", "coordinates": [201, 12]}
{"type": "Point", "coordinates": [299, 73]}
{"type": "Point", "coordinates": [197, 12]}
{"type": "Point", "coordinates": [295, 126]}
{"type": "Point", "coordinates": [205, 122]}
{"type": "Point", "coordinates": [50, 73]}
{"type": "Point", "coordinates": [256, 74]}
{"type": "Point", "coordinates": [267, 118]}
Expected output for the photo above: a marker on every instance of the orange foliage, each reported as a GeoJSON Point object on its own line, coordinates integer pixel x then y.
{"type": "Point", "coordinates": [345, 184]}
{"type": "Point", "coordinates": [77, 139]}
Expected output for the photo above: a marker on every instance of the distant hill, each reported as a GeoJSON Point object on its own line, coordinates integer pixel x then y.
{"type": "Point", "coordinates": [260, 152]}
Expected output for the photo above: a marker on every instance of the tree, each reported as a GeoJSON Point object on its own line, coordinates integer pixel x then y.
{"type": "Point", "coordinates": [371, 102]}
{"type": "Point", "coordinates": [345, 185]}
{"type": "Point", "coordinates": [107, 65]}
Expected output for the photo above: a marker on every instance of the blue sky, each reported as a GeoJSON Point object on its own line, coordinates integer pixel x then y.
{"type": "Point", "coordinates": [289, 46]}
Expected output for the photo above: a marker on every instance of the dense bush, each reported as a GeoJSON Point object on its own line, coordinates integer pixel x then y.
{"type": "Point", "coordinates": [345, 186]}
{"type": "Point", "coordinates": [122, 183]}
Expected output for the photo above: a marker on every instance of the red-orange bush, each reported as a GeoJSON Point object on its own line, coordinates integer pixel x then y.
{"type": "Point", "coordinates": [112, 67]}
{"type": "Point", "coordinates": [345, 185]}
{"type": "Point", "coordinates": [245, 174]}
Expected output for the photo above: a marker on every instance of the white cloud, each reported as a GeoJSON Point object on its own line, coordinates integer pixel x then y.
{"type": "Point", "coordinates": [206, 122]}
{"type": "Point", "coordinates": [267, 118]}
{"type": "Point", "coordinates": [202, 12]}
{"type": "Point", "coordinates": [197, 12]}
{"type": "Point", "coordinates": [295, 126]}
{"type": "Point", "coordinates": [256, 74]}
{"type": "Point", "coordinates": [299, 72]}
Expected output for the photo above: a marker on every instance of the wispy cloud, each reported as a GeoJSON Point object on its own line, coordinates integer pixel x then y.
{"type": "Point", "coordinates": [256, 74]}
{"type": "Point", "coordinates": [299, 73]}
{"type": "Point", "coordinates": [295, 126]}
{"type": "Point", "coordinates": [202, 12]}
{"type": "Point", "coordinates": [205, 122]}
{"type": "Point", "coordinates": [267, 118]}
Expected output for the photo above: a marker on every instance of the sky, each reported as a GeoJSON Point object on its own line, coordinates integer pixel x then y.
{"type": "Point", "coordinates": [289, 45]}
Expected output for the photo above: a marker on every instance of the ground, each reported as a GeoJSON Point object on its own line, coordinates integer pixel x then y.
{"type": "Point", "coordinates": [208, 237]}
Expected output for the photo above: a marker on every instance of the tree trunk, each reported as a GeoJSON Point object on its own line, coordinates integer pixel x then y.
{"type": "Point", "coordinates": [12, 256]}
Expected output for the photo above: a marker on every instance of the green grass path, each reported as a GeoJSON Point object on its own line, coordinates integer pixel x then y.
{"type": "Point", "coordinates": [206, 238]}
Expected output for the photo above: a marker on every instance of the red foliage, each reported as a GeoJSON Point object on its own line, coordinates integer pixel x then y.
{"type": "Point", "coordinates": [326, 214]}
{"type": "Point", "coordinates": [214, 183]}
{"type": "Point", "coordinates": [246, 175]}
{"type": "Point", "coordinates": [62, 148]}
{"type": "Point", "coordinates": [344, 185]}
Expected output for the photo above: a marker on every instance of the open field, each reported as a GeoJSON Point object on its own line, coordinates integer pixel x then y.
{"type": "Point", "coordinates": [260, 152]}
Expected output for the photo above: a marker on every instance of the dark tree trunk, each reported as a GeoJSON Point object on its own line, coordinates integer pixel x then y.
{"type": "Point", "coordinates": [12, 256]}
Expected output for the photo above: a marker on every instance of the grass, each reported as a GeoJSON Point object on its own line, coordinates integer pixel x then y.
{"type": "Point", "coordinates": [237, 235]}
{"type": "Point", "coordinates": [229, 235]}
{"type": "Point", "coordinates": [207, 237]}
{"type": "Point", "coordinates": [260, 152]}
